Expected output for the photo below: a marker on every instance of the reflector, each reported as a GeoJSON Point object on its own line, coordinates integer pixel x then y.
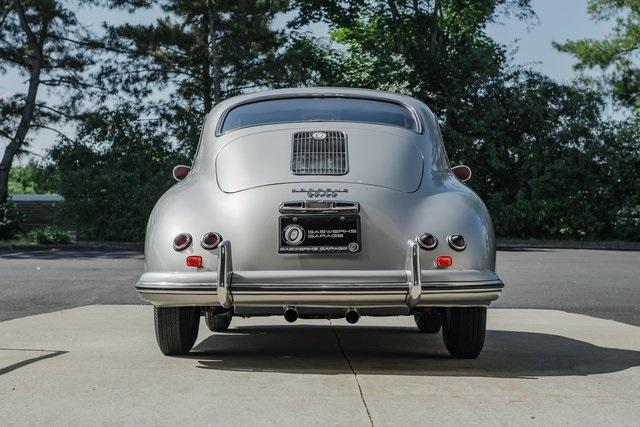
{"type": "Point", "coordinates": [194, 261]}
{"type": "Point", "coordinates": [444, 261]}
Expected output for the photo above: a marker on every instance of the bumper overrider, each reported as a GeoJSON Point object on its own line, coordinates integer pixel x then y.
{"type": "Point", "coordinates": [408, 288]}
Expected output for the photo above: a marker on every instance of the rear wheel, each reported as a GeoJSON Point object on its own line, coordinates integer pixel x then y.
{"type": "Point", "coordinates": [176, 329]}
{"type": "Point", "coordinates": [463, 330]}
{"type": "Point", "coordinates": [218, 322]}
{"type": "Point", "coordinates": [428, 322]}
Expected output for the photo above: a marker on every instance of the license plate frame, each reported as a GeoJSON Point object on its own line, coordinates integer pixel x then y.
{"type": "Point", "coordinates": [321, 234]}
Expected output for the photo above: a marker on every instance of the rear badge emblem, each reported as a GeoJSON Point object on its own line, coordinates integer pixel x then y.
{"type": "Point", "coordinates": [293, 234]}
{"type": "Point", "coordinates": [318, 135]}
{"type": "Point", "coordinates": [320, 192]}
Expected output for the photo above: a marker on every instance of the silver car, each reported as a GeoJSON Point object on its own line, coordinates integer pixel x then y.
{"type": "Point", "coordinates": [320, 203]}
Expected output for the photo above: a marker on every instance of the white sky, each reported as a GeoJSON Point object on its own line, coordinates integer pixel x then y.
{"type": "Point", "coordinates": [557, 20]}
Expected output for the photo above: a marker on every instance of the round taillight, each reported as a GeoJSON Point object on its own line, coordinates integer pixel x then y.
{"type": "Point", "coordinates": [211, 240]}
{"type": "Point", "coordinates": [182, 241]}
{"type": "Point", "coordinates": [427, 241]}
{"type": "Point", "coordinates": [456, 241]}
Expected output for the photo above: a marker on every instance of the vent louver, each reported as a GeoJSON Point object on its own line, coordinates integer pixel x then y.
{"type": "Point", "coordinates": [319, 153]}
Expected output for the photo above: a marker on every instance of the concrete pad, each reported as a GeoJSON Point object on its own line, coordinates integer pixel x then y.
{"type": "Point", "coordinates": [100, 364]}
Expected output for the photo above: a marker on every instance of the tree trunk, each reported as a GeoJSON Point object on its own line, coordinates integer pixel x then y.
{"type": "Point", "coordinates": [215, 60]}
{"type": "Point", "coordinates": [14, 147]}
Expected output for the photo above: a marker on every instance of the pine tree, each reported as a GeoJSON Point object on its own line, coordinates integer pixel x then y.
{"type": "Point", "coordinates": [44, 41]}
{"type": "Point", "coordinates": [200, 52]}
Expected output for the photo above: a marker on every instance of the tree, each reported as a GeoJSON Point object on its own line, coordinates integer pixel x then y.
{"type": "Point", "coordinates": [538, 148]}
{"type": "Point", "coordinates": [44, 41]}
{"type": "Point", "coordinates": [617, 55]}
{"type": "Point", "coordinates": [31, 178]}
{"type": "Point", "coordinates": [113, 173]}
{"type": "Point", "coordinates": [201, 52]}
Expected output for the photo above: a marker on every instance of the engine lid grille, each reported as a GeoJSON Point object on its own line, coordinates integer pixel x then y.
{"type": "Point", "coordinates": [319, 153]}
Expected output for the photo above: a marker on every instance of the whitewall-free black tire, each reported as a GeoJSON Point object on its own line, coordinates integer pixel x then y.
{"type": "Point", "coordinates": [463, 330]}
{"type": "Point", "coordinates": [176, 329]}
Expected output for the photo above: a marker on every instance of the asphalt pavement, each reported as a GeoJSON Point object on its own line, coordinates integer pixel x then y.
{"type": "Point", "coordinates": [599, 283]}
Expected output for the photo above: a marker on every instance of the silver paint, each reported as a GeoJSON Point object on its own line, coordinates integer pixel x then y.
{"type": "Point", "coordinates": [401, 180]}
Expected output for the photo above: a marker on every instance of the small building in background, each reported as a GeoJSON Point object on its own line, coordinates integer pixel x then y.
{"type": "Point", "coordinates": [39, 210]}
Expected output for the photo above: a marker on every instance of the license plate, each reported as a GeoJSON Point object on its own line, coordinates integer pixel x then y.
{"type": "Point", "coordinates": [312, 234]}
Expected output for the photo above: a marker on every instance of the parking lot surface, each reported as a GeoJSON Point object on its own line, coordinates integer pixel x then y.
{"type": "Point", "coordinates": [99, 364]}
{"type": "Point", "coordinates": [77, 347]}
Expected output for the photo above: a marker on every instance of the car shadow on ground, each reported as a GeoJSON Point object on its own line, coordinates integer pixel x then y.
{"type": "Point", "coordinates": [402, 351]}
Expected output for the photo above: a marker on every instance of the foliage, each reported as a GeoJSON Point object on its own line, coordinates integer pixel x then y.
{"type": "Point", "coordinates": [11, 221]}
{"type": "Point", "coordinates": [44, 42]}
{"type": "Point", "coordinates": [49, 235]}
{"type": "Point", "coordinates": [538, 148]}
{"type": "Point", "coordinates": [617, 54]}
{"type": "Point", "coordinates": [114, 173]}
{"type": "Point", "coordinates": [202, 51]}
{"type": "Point", "coordinates": [32, 178]}
{"type": "Point", "coordinates": [546, 159]}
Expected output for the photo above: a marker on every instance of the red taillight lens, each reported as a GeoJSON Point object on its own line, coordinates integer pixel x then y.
{"type": "Point", "coordinates": [427, 241]}
{"type": "Point", "coordinates": [181, 241]}
{"type": "Point", "coordinates": [444, 261]}
{"type": "Point", "coordinates": [211, 240]}
{"type": "Point", "coordinates": [194, 261]}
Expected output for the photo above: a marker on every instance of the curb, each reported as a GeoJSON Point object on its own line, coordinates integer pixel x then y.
{"type": "Point", "coordinates": [506, 244]}
{"type": "Point", "coordinates": [87, 246]}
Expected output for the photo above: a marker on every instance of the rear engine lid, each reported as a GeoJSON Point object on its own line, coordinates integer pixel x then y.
{"type": "Point", "coordinates": [374, 155]}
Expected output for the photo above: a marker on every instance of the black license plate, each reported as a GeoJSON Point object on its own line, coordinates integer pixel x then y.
{"type": "Point", "coordinates": [312, 234]}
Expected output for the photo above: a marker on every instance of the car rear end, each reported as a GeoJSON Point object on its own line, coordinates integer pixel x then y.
{"type": "Point", "coordinates": [321, 218]}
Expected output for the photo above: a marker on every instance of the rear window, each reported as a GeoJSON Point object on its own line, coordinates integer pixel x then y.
{"type": "Point", "coordinates": [321, 109]}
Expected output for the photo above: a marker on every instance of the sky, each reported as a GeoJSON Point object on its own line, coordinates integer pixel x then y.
{"type": "Point", "coordinates": [531, 41]}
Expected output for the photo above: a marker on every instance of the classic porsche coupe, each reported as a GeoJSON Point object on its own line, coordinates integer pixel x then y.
{"type": "Point", "coordinates": [320, 203]}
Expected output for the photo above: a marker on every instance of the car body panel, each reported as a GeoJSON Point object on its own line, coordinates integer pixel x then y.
{"type": "Point", "coordinates": [400, 178]}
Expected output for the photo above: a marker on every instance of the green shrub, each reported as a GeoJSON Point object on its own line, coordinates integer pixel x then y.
{"type": "Point", "coordinates": [50, 235]}
{"type": "Point", "coordinates": [11, 221]}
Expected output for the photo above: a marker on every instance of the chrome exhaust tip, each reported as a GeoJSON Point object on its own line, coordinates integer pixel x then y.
{"type": "Point", "coordinates": [291, 315]}
{"type": "Point", "coordinates": [352, 316]}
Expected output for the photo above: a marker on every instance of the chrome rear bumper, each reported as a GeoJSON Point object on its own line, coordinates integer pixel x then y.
{"type": "Point", "coordinates": [409, 288]}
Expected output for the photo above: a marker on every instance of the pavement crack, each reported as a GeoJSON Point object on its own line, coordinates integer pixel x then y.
{"type": "Point", "coordinates": [353, 371]}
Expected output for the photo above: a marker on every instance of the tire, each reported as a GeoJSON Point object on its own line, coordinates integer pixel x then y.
{"type": "Point", "coordinates": [463, 330]}
{"type": "Point", "coordinates": [428, 323]}
{"type": "Point", "coordinates": [176, 329]}
{"type": "Point", "coordinates": [218, 322]}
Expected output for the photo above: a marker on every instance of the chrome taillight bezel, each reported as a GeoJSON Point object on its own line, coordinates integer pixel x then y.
{"type": "Point", "coordinates": [453, 245]}
{"type": "Point", "coordinates": [211, 246]}
{"type": "Point", "coordinates": [185, 245]}
{"type": "Point", "coordinates": [423, 245]}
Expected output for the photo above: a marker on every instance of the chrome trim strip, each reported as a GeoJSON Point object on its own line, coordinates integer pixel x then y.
{"type": "Point", "coordinates": [165, 286]}
{"type": "Point", "coordinates": [305, 206]}
{"type": "Point", "coordinates": [478, 286]}
{"type": "Point", "coordinates": [177, 292]}
{"type": "Point", "coordinates": [319, 287]}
